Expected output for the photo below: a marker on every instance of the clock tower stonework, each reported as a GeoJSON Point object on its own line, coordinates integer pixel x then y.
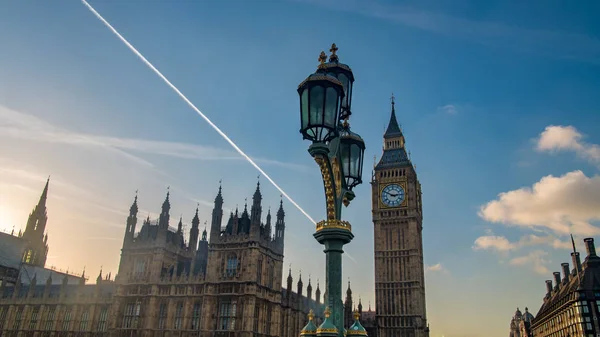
{"type": "Point", "coordinates": [398, 228]}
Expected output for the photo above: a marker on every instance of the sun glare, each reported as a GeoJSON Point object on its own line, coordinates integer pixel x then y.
{"type": "Point", "coordinates": [6, 220]}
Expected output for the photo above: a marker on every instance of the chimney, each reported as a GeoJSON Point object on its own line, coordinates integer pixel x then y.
{"type": "Point", "coordinates": [589, 247]}
{"type": "Point", "coordinates": [549, 286]}
{"type": "Point", "coordinates": [566, 271]}
{"type": "Point", "coordinates": [576, 262]}
{"type": "Point", "coordinates": [557, 278]}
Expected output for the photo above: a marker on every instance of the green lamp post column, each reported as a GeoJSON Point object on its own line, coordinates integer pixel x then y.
{"type": "Point", "coordinates": [325, 101]}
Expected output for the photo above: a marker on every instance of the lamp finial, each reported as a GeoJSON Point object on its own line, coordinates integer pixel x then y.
{"type": "Point", "coordinates": [322, 57]}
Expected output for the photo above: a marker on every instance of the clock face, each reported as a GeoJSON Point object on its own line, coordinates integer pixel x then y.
{"type": "Point", "coordinates": [392, 195]}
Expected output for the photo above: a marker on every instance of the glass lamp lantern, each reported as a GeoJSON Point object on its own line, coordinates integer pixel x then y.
{"type": "Point", "coordinates": [344, 74]}
{"type": "Point", "coordinates": [352, 148]}
{"type": "Point", "coordinates": [320, 100]}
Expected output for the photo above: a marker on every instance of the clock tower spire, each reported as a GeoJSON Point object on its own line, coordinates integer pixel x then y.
{"type": "Point", "coordinates": [398, 224]}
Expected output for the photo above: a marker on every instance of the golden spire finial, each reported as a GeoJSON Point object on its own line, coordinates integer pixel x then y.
{"type": "Point", "coordinates": [327, 312]}
{"type": "Point", "coordinates": [311, 315]}
{"type": "Point", "coordinates": [322, 57]}
{"type": "Point", "coordinates": [333, 50]}
{"type": "Point", "coordinates": [356, 315]}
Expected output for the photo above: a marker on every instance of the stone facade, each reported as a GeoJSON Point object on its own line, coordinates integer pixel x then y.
{"type": "Point", "coordinates": [229, 285]}
{"type": "Point", "coordinates": [520, 324]}
{"type": "Point", "coordinates": [571, 306]}
{"type": "Point", "coordinates": [398, 226]}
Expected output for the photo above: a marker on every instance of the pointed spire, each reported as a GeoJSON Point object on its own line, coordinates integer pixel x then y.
{"type": "Point", "coordinates": [99, 278]}
{"type": "Point", "coordinates": [290, 280]}
{"type": "Point", "coordinates": [280, 212]}
{"type": "Point", "coordinates": [393, 130]}
{"type": "Point", "coordinates": [268, 224]}
{"type": "Point", "coordinates": [299, 285]}
{"type": "Point", "coordinates": [257, 194]}
{"type": "Point", "coordinates": [196, 219]}
{"type": "Point", "coordinates": [318, 293]}
{"type": "Point", "coordinates": [245, 212]}
{"type": "Point", "coordinates": [204, 232]}
{"type": "Point", "coordinates": [82, 279]}
{"type": "Point", "coordinates": [134, 207]}
{"type": "Point", "coordinates": [167, 204]}
{"type": "Point", "coordinates": [49, 279]}
{"type": "Point", "coordinates": [219, 197]}
{"type": "Point", "coordinates": [180, 225]}
{"type": "Point", "coordinates": [44, 196]}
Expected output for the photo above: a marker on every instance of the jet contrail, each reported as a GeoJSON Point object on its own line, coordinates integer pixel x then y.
{"type": "Point", "coordinates": [136, 52]}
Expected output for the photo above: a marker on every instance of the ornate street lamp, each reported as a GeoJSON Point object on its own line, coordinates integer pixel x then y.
{"type": "Point", "coordinates": [325, 99]}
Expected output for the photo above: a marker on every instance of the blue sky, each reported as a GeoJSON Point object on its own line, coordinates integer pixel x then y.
{"type": "Point", "coordinates": [478, 87]}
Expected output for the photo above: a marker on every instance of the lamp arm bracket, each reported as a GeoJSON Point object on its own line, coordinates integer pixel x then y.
{"type": "Point", "coordinates": [344, 195]}
{"type": "Point", "coordinates": [328, 159]}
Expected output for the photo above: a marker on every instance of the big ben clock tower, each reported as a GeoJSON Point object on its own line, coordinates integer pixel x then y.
{"type": "Point", "coordinates": [398, 227]}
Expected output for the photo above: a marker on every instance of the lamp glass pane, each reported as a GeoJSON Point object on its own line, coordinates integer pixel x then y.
{"type": "Point", "coordinates": [345, 156]}
{"type": "Point", "coordinates": [354, 160]}
{"type": "Point", "coordinates": [317, 96]}
{"type": "Point", "coordinates": [331, 105]}
{"type": "Point", "coordinates": [344, 79]}
{"type": "Point", "coordinates": [304, 109]}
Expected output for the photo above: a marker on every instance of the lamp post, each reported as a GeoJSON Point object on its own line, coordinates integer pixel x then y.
{"type": "Point", "coordinates": [325, 107]}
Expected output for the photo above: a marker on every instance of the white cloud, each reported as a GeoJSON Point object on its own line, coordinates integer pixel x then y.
{"type": "Point", "coordinates": [448, 109]}
{"type": "Point", "coordinates": [535, 259]}
{"type": "Point", "coordinates": [436, 268]}
{"type": "Point", "coordinates": [565, 204]}
{"type": "Point", "coordinates": [566, 138]}
{"type": "Point", "coordinates": [499, 243]}
{"type": "Point", "coordinates": [502, 244]}
{"type": "Point", "coordinates": [23, 126]}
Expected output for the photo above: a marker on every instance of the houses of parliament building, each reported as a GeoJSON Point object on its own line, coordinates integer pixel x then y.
{"type": "Point", "coordinates": [165, 286]}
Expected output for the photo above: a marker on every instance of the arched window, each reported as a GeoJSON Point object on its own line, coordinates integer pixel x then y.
{"type": "Point", "coordinates": [259, 270]}
{"type": "Point", "coordinates": [28, 256]}
{"type": "Point", "coordinates": [270, 275]}
{"type": "Point", "coordinates": [232, 265]}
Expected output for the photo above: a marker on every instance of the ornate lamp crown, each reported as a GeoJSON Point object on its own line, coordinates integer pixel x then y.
{"type": "Point", "coordinates": [322, 57]}
{"type": "Point", "coordinates": [333, 50]}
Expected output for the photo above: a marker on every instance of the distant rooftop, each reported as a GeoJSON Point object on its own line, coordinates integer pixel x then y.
{"type": "Point", "coordinates": [11, 250]}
